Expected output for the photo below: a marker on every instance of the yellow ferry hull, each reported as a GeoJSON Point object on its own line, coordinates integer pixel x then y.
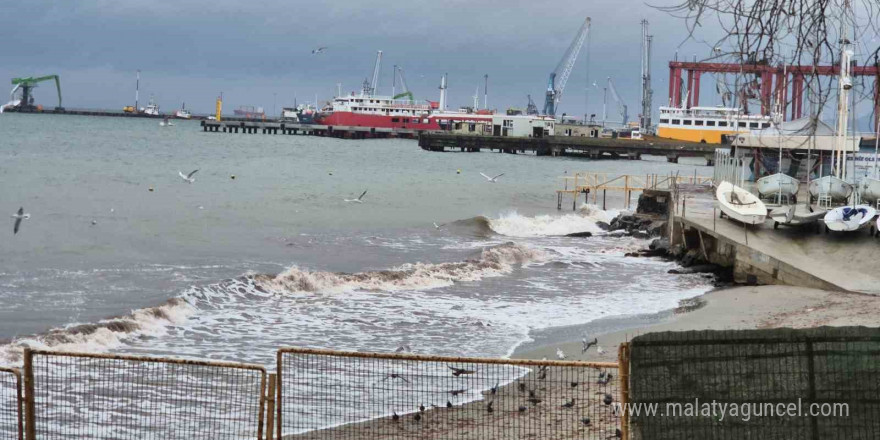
{"type": "Point", "coordinates": [693, 134]}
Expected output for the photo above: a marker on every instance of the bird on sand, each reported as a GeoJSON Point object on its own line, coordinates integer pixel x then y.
{"type": "Point", "coordinates": [608, 399]}
{"type": "Point", "coordinates": [188, 178]}
{"type": "Point", "coordinates": [600, 350]}
{"type": "Point", "coordinates": [422, 408]}
{"type": "Point", "coordinates": [588, 344]}
{"type": "Point", "coordinates": [569, 404]}
{"type": "Point", "coordinates": [495, 388]}
{"type": "Point", "coordinates": [394, 416]}
{"type": "Point", "coordinates": [360, 198]}
{"type": "Point", "coordinates": [448, 404]}
{"type": "Point", "coordinates": [586, 421]}
{"type": "Point", "coordinates": [417, 417]}
{"type": "Point", "coordinates": [604, 380]}
{"type": "Point", "coordinates": [459, 371]}
{"type": "Point", "coordinates": [492, 179]}
{"type": "Point", "coordinates": [19, 216]}
{"type": "Point", "coordinates": [560, 354]}
{"type": "Point", "coordinates": [523, 408]}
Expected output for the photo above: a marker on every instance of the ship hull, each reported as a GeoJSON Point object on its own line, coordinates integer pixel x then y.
{"type": "Point", "coordinates": [429, 123]}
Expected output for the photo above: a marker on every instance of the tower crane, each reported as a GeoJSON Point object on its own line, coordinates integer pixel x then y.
{"type": "Point", "coordinates": [559, 76]}
{"type": "Point", "coordinates": [621, 107]}
{"type": "Point", "coordinates": [27, 85]}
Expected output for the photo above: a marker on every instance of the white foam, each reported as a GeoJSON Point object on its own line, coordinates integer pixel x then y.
{"type": "Point", "coordinates": [494, 261]}
{"type": "Point", "coordinates": [585, 220]}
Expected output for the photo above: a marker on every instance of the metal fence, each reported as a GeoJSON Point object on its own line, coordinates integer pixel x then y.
{"type": "Point", "coordinates": [821, 383]}
{"type": "Point", "coordinates": [343, 395]}
{"type": "Point", "coordinates": [11, 419]}
{"type": "Point", "coordinates": [95, 396]}
{"type": "Point", "coordinates": [728, 169]}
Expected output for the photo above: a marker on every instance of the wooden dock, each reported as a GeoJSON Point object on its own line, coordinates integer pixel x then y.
{"type": "Point", "coordinates": [594, 148]}
{"type": "Point", "coordinates": [594, 183]}
{"type": "Point", "coordinates": [292, 128]}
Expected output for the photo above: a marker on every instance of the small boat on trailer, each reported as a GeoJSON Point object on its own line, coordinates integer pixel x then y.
{"type": "Point", "coordinates": [849, 218]}
{"type": "Point", "coordinates": [796, 215]}
{"type": "Point", "coordinates": [740, 205]}
{"type": "Point", "coordinates": [869, 191]}
{"type": "Point", "coordinates": [778, 184]}
{"type": "Point", "coordinates": [837, 188]}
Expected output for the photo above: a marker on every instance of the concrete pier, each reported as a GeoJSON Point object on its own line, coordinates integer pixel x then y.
{"type": "Point", "coordinates": [760, 254]}
{"type": "Point", "coordinates": [290, 128]}
{"type": "Point", "coordinates": [594, 148]}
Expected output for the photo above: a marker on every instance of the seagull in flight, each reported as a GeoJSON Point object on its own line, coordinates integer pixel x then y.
{"type": "Point", "coordinates": [436, 226]}
{"type": "Point", "coordinates": [588, 344]}
{"type": "Point", "coordinates": [492, 179]}
{"type": "Point", "coordinates": [319, 50]}
{"type": "Point", "coordinates": [360, 198]}
{"type": "Point", "coordinates": [19, 216]}
{"type": "Point", "coordinates": [188, 177]}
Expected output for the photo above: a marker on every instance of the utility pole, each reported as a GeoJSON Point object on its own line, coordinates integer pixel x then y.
{"type": "Point", "coordinates": [486, 92]}
{"type": "Point", "coordinates": [137, 90]}
{"type": "Point", "coordinates": [604, 104]}
{"type": "Point", "coordinates": [647, 93]}
{"type": "Point", "coordinates": [274, 104]}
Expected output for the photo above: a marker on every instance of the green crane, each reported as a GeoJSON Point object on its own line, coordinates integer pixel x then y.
{"type": "Point", "coordinates": [398, 73]}
{"type": "Point", "coordinates": [27, 85]}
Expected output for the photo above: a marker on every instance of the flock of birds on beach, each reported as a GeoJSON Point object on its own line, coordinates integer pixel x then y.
{"type": "Point", "coordinates": [604, 378]}
{"type": "Point", "coordinates": [190, 178]}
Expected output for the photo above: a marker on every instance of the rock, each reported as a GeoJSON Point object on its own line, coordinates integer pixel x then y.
{"type": "Point", "coordinates": [580, 234]}
{"type": "Point", "coordinates": [640, 234]}
{"type": "Point", "coordinates": [660, 244]}
{"type": "Point", "coordinates": [603, 226]}
{"type": "Point", "coordinates": [632, 254]}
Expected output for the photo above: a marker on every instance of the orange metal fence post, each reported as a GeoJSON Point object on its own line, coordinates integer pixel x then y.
{"type": "Point", "coordinates": [30, 429]}
{"type": "Point", "coordinates": [623, 362]}
{"type": "Point", "coordinates": [270, 407]}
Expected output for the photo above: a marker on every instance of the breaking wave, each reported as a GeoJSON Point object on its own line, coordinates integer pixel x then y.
{"type": "Point", "coordinates": [103, 335]}
{"type": "Point", "coordinates": [493, 261]}
{"type": "Point", "coordinates": [585, 220]}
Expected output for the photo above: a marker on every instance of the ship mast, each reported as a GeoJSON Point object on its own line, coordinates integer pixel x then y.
{"type": "Point", "coordinates": [844, 84]}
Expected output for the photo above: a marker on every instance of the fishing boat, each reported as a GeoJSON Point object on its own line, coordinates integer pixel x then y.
{"type": "Point", "coordinates": [849, 218]}
{"type": "Point", "coordinates": [152, 108]}
{"type": "Point", "coordinates": [778, 184]}
{"type": "Point", "coordinates": [796, 215]}
{"type": "Point", "coordinates": [183, 113]}
{"type": "Point", "coordinates": [740, 205]}
{"type": "Point", "coordinates": [837, 188]}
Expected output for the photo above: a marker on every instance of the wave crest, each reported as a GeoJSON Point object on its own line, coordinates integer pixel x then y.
{"type": "Point", "coordinates": [585, 220]}
{"type": "Point", "coordinates": [493, 261]}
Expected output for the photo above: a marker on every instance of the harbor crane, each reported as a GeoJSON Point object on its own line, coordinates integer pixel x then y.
{"type": "Point", "coordinates": [559, 76]}
{"type": "Point", "coordinates": [405, 93]}
{"type": "Point", "coordinates": [621, 107]}
{"type": "Point", "coordinates": [531, 109]}
{"type": "Point", "coordinates": [27, 85]}
{"type": "Point", "coordinates": [370, 87]}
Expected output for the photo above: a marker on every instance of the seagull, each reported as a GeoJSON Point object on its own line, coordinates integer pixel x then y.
{"type": "Point", "coordinates": [569, 404]}
{"type": "Point", "coordinates": [436, 226]}
{"type": "Point", "coordinates": [560, 354]}
{"type": "Point", "coordinates": [600, 350]}
{"type": "Point", "coordinates": [589, 344]}
{"type": "Point", "coordinates": [188, 177]}
{"type": "Point", "coordinates": [608, 399]}
{"type": "Point", "coordinates": [459, 371]}
{"type": "Point", "coordinates": [492, 179]}
{"type": "Point", "coordinates": [19, 216]}
{"type": "Point", "coordinates": [360, 198]}
{"type": "Point", "coordinates": [319, 50]}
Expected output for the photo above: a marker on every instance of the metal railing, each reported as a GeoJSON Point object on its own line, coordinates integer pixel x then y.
{"type": "Point", "coordinates": [593, 183]}
{"type": "Point", "coordinates": [102, 396]}
{"type": "Point", "coordinates": [11, 418]}
{"type": "Point", "coordinates": [345, 395]}
{"type": "Point", "coordinates": [728, 169]}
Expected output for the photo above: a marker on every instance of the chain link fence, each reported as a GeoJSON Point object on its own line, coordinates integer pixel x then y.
{"type": "Point", "coordinates": [343, 395]}
{"type": "Point", "coordinates": [95, 396]}
{"type": "Point", "coordinates": [821, 383]}
{"type": "Point", "coordinates": [11, 418]}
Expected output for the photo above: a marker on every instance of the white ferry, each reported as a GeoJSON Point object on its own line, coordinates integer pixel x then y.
{"type": "Point", "coordinates": [707, 124]}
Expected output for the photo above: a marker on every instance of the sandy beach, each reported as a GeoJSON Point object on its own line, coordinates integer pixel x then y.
{"type": "Point", "coordinates": [734, 308]}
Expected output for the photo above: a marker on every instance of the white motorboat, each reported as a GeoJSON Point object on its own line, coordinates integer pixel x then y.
{"type": "Point", "coordinates": [837, 188]}
{"type": "Point", "coordinates": [152, 108]}
{"type": "Point", "coordinates": [776, 184]}
{"type": "Point", "coordinates": [849, 218]}
{"type": "Point", "coordinates": [740, 205]}
{"type": "Point", "coordinates": [795, 215]}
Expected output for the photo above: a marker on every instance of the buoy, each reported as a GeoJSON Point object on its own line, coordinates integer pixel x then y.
{"type": "Point", "coordinates": [151, 189]}
{"type": "Point", "coordinates": [458, 171]}
{"type": "Point", "coordinates": [94, 222]}
{"type": "Point", "coordinates": [232, 177]}
{"type": "Point", "coordinates": [330, 173]}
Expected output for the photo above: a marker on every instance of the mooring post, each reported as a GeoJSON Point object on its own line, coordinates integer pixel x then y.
{"type": "Point", "coordinates": [604, 193]}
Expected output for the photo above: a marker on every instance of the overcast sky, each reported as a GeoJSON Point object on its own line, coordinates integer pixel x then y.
{"type": "Point", "coordinates": [259, 52]}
